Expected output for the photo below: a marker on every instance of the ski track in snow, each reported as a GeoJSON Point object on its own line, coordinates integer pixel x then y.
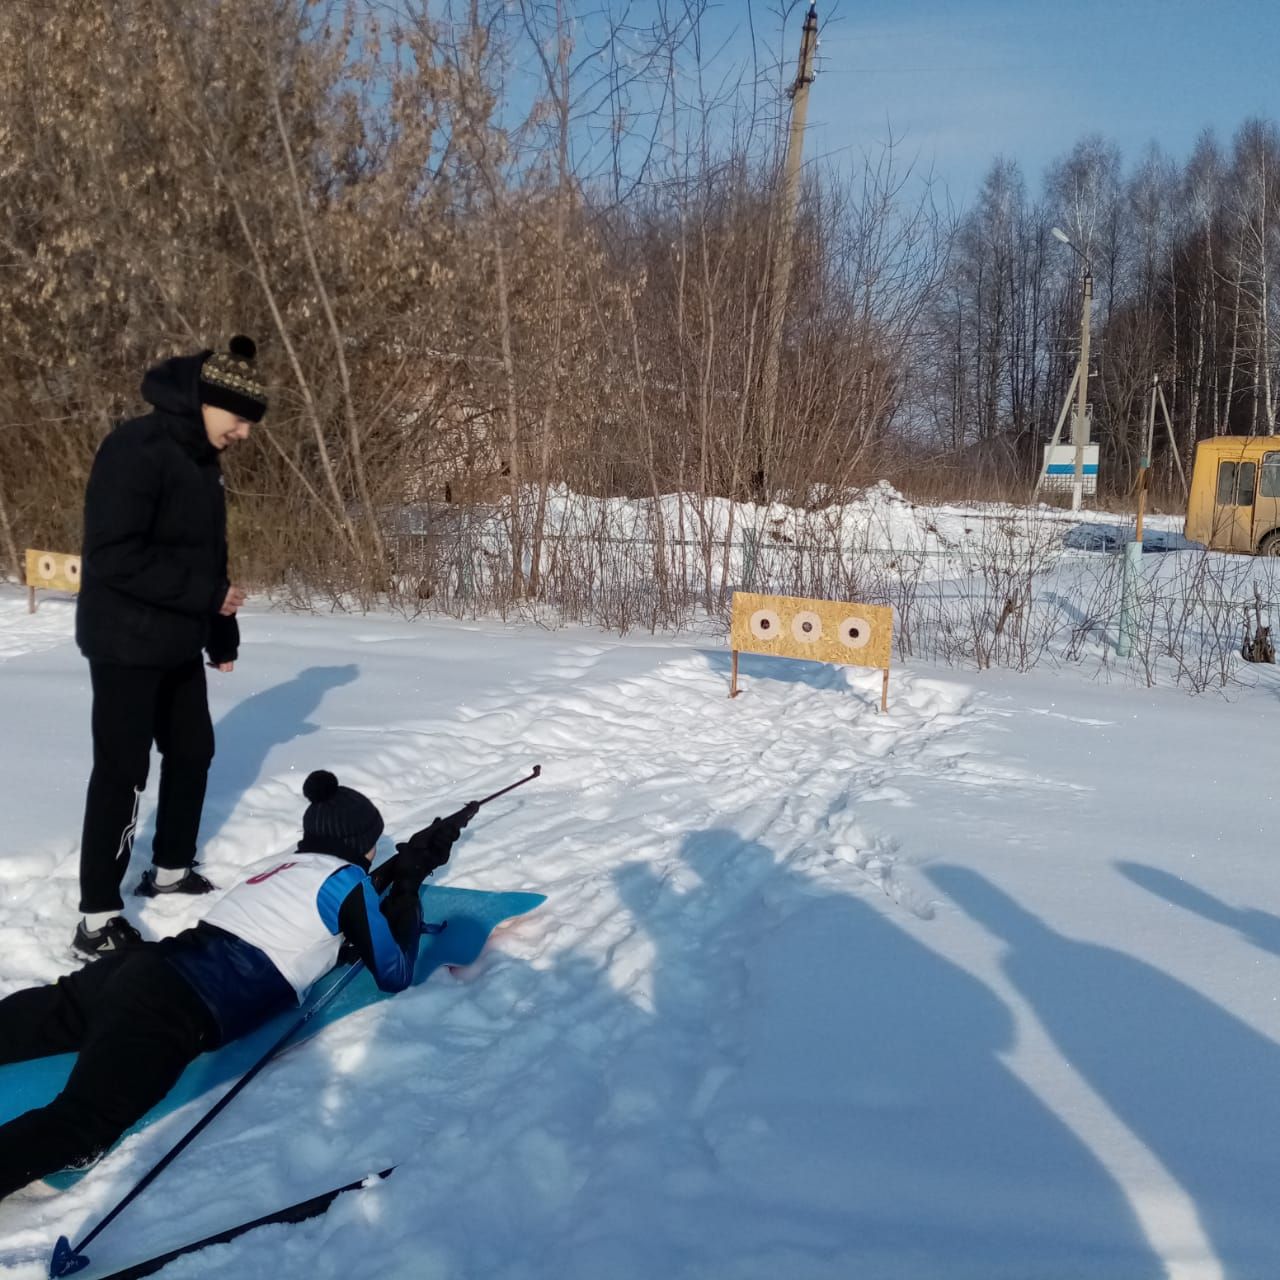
{"type": "Point", "coordinates": [747, 1036]}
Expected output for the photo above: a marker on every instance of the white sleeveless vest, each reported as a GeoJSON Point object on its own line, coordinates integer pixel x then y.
{"type": "Point", "coordinates": [276, 907]}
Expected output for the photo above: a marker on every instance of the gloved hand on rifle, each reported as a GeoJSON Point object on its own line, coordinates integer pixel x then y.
{"type": "Point", "coordinates": [424, 852]}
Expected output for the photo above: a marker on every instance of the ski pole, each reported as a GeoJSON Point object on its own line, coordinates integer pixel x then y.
{"type": "Point", "coordinates": [299, 1212]}
{"type": "Point", "coordinates": [67, 1260]}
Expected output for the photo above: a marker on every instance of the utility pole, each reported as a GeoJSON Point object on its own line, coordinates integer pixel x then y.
{"type": "Point", "coordinates": [1080, 428]}
{"type": "Point", "coordinates": [784, 231]}
{"type": "Point", "coordinates": [1131, 565]}
{"type": "Point", "coordinates": [1144, 461]}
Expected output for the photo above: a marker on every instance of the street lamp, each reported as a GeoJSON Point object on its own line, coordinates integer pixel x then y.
{"type": "Point", "coordinates": [1078, 426]}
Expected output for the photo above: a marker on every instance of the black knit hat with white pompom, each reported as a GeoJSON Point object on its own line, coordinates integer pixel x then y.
{"type": "Point", "coordinates": [339, 820]}
{"type": "Point", "coordinates": [228, 380]}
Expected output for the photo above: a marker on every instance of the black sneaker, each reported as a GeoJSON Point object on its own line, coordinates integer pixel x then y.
{"type": "Point", "coordinates": [193, 882]}
{"type": "Point", "coordinates": [115, 935]}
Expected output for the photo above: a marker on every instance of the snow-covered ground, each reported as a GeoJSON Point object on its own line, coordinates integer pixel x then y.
{"type": "Point", "coordinates": [984, 988]}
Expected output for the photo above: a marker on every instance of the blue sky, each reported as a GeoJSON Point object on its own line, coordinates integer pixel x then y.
{"type": "Point", "coordinates": [962, 81]}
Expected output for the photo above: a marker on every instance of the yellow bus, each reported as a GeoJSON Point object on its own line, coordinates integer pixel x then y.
{"type": "Point", "coordinates": [1234, 502]}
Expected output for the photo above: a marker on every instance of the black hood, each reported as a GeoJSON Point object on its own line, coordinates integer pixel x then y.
{"type": "Point", "coordinates": [173, 386]}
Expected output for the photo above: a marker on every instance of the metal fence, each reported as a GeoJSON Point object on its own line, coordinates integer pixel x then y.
{"type": "Point", "coordinates": [1016, 595]}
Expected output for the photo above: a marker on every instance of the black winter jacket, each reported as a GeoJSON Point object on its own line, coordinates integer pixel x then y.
{"type": "Point", "coordinates": [153, 573]}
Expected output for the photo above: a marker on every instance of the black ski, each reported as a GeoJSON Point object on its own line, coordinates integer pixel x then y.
{"type": "Point", "coordinates": [299, 1212]}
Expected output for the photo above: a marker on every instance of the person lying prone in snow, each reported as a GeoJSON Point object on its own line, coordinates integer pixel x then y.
{"type": "Point", "coordinates": [137, 1017]}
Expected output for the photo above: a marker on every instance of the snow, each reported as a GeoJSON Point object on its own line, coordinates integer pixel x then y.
{"type": "Point", "coordinates": [875, 520]}
{"type": "Point", "coordinates": [983, 584]}
{"type": "Point", "coordinates": [983, 988]}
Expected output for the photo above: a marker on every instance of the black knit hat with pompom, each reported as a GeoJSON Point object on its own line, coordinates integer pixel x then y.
{"type": "Point", "coordinates": [339, 820]}
{"type": "Point", "coordinates": [229, 380]}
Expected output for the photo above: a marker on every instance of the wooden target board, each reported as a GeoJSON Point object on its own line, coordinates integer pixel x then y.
{"type": "Point", "coordinates": [51, 571]}
{"type": "Point", "coordinates": [849, 634]}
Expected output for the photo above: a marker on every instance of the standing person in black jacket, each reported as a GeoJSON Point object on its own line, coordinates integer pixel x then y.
{"type": "Point", "coordinates": [154, 592]}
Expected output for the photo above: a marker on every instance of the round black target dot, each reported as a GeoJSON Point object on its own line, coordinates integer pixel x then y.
{"type": "Point", "coordinates": [855, 633]}
{"type": "Point", "coordinates": [806, 627]}
{"type": "Point", "coordinates": [765, 624]}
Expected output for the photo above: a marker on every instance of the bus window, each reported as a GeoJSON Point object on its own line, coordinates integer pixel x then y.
{"type": "Point", "coordinates": [1270, 486]}
{"type": "Point", "coordinates": [1235, 483]}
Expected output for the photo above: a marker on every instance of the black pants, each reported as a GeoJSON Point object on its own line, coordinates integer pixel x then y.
{"type": "Point", "coordinates": [132, 708]}
{"type": "Point", "coordinates": [136, 1024]}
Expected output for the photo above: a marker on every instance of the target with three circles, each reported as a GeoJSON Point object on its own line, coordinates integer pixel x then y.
{"type": "Point", "coordinates": [821, 630]}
